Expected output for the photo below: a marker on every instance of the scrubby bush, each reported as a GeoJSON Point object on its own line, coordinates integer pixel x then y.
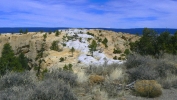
{"type": "Point", "coordinates": [148, 88]}
{"type": "Point", "coordinates": [174, 84]}
{"type": "Point", "coordinates": [164, 67]}
{"type": "Point", "coordinates": [168, 82]}
{"type": "Point", "coordinates": [12, 79]}
{"type": "Point", "coordinates": [66, 76]}
{"type": "Point", "coordinates": [135, 60]}
{"type": "Point", "coordinates": [142, 72]}
{"type": "Point", "coordinates": [102, 69]}
{"type": "Point", "coordinates": [113, 90]}
{"type": "Point", "coordinates": [52, 90]}
{"type": "Point", "coordinates": [25, 86]}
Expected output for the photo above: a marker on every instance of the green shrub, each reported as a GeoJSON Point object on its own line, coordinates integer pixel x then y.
{"type": "Point", "coordinates": [115, 57]}
{"type": "Point", "coordinates": [57, 33]}
{"type": "Point", "coordinates": [119, 58]}
{"type": "Point", "coordinates": [62, 59]}
{"type": "Point", "coordinates": [54, 46]}
{"type": "Point", "coordinates": [68, 67]}
{"type": "Point", "coordinates": [148, 88]}
{"type": "Point", "coordinates": [89, 39]}
{"type": "Point", "coordinates": [24, 61]}
{"type": "Point", "coordinates": [123, 54]}
{"type": "Point", "coordinates": [99, 39]}
{"type": "Point", "coordinates": [123, 37]}
{"type": "Point", "coordinates": [90, 34]}
{"type": "Point", "coordinates": [117, 51]}
{"type": "Point", "coordinates": [8, 60]}
{"type": "Point", "coordinates": [64, 44]}
{"type": "Point", "coordinates": [127, 51]}
{"type": "Point", "coordinates": [50, 32]}
{"type": "Point", "coordinates": [105, 41]}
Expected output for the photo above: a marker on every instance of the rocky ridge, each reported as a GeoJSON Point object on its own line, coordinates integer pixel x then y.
{"type": "Point", "coordinates": [31, 43]}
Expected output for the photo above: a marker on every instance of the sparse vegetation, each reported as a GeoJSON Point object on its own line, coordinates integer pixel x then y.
{"type": "Point", "coordinates": [24, 86]}
{"type": "Point", "coordinates": [143, 73]}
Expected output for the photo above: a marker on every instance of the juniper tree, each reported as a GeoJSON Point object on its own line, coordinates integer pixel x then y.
{"type": "Point", "coordinates": [72, 50]}
{"type": "Point", "coordinates": [8, 60]}
{"type": "Point", "coordinates": [93, 46]}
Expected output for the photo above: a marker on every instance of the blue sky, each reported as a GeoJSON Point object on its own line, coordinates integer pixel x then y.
{"type": "Point", "coordinates": [89, 13]}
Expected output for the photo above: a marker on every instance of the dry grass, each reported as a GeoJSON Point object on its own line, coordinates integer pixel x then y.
{"type": "Point", "coordinates": [82, 77]}
{"type": "Point", "coordinates": [96, 79]}
{"type": "Point", "coordinates": [116, 74]}
{"type": "Point", "coordinates": [148, 88]}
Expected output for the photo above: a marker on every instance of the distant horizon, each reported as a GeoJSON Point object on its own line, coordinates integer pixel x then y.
{"type": "Point", "coordinates": [91, 27]}
{"type": "Point", "coordinates": [52, 29]}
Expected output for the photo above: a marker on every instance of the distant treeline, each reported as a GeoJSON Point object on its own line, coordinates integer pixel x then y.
{"type": "Point", "coordinates": [45, 29]}
{"type": "Point", "coordinates": [151, 43]}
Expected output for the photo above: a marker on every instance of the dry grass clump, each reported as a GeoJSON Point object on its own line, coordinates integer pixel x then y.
{"type": "Point", "coordinates": [148, 88]}
{"type": "Point", "coordinates": [82, 77]}
{"type": "Point", "coordinates": [116, 74]}
{"type": "Point", "coordinates": [96, 79]}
